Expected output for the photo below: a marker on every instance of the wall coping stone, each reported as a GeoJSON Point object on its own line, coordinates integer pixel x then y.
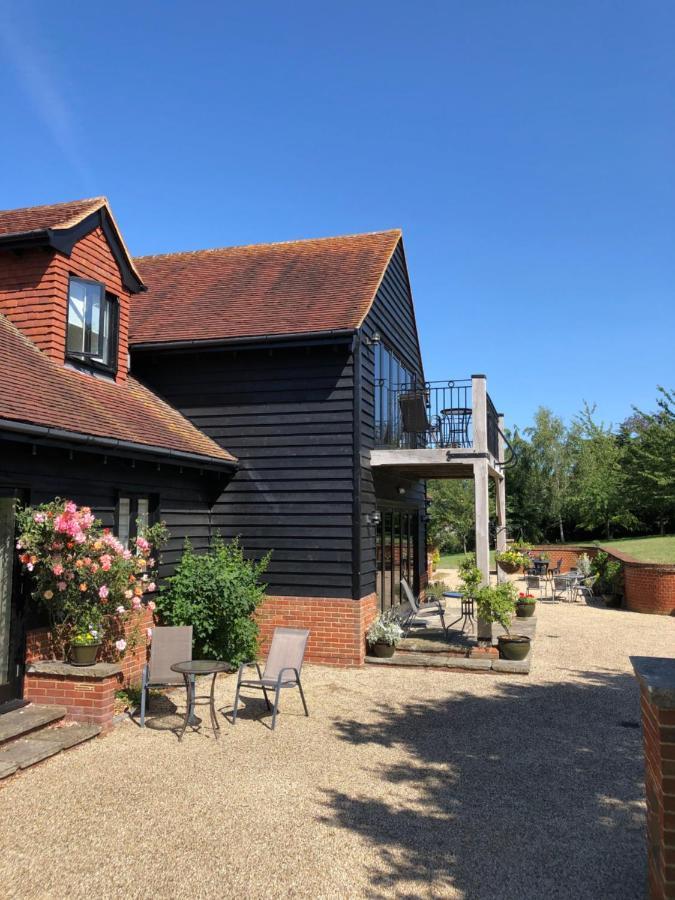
{"type": "Point", "coordinates": [53, 667]}
{"type": "Point", "coordinates": [657, 676]}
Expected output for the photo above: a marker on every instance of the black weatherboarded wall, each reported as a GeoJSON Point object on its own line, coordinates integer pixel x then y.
{"type": "Point", "coordinates": [287, 413]}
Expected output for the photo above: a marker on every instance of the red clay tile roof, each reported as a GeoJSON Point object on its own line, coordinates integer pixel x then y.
{"type": "Point", "coordinates": [58, 215]}
{"type": "Point", "coordinates": [36, 390]}
{"type": "Point", "coordinates": [263, 289]}
{"type": "Point", "coordinates": [59, 218]}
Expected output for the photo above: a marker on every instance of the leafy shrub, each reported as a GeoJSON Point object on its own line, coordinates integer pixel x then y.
{"type": "Point", "coordinates": [608, 572]}
{"type": "Point", "coordinates": [217, 593]}
{"type": "Point", "coordinates": [496, 603]}
{"type": "Point", "coordinates": [584, 566]}
{"type": "Point", "coordinates": [435, 590]}
{"type": "Point", "coordinates": [385, 630]}
{"type": "Point", "coordinates": [470, 575]}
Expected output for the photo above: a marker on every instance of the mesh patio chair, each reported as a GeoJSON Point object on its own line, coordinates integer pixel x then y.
{"type": "Point", "coordinates": [534, 583]}
{"type": "Point", "coordinates": [282, 669]}
{"type": "Point", "coordinates": [585, 588]}
{"type": "Point", "coordinates": [410, 616]}
{"type": "Point", "coordinates": [561, 588]}
{"type": "Point", "coordinates": [556, 570]}
{"type": "Point", "coordinates": [169, 645]}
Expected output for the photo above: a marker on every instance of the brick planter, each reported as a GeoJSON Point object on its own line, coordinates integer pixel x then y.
{"type": "Point", "coordinates": [657, 688]}
{"type": "Point", "coordinates": [88, 693]}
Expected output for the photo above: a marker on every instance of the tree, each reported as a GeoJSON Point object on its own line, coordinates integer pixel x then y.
{"type": "Point", "coordinates": [451, 514]}
{"type": "Point", "coordinates": [600, 498]}
{"type": "Point", "coordinates": [650, 460]}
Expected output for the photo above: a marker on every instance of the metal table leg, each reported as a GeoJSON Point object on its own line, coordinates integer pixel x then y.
{"type": "Point", "coordinates": [212, 708]}
{"type": "Point", "coordinates": [189, 705]}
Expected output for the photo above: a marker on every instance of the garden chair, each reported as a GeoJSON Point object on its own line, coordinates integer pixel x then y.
{"type": "Point", "coordinates": [282, 669]}
{"type": "Point", "coordinates": [169, 645]}
{"type": "Point", "coordinates": [585, 588]}
{"type": "Point", "coordinates": [556, 570]}
{"type": "Point", "coordinates": [561, 588]}
{"type": "Point", "coordinates": [534, 583]}
{"type": "Point", "coordinates": [416, 608]}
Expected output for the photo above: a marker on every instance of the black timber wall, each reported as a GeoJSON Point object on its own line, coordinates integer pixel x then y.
{"type": "Point", "coordinates": [42, 472]}
{"type": "Point", "coordinates": [392, 316]}
{"type": "Point", "coordinates": [287, 413]}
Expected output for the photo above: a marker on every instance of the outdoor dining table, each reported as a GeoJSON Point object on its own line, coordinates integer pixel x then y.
{"type": "Point", "coordinates": [572, 579]}
{"type": "Point", "coordinates": [466, 609]}
{"type": "Point", "coordinates": [189, 670]}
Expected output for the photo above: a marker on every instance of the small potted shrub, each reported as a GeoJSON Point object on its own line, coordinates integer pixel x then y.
{"type": "Point", "coordinates": [84, 646]}
{"type": "Point", "coordinates": [496, 603]}
{"type": "Point", "coordinates": [384, 634]}
{"type": "Point", "coordinates": [525, 605]}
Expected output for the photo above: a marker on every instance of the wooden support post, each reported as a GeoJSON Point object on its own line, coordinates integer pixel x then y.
{"type": "Point", "coordinates": [500, 492]}
{"type": "Point", "coordinates": [482, 506]}
{"type": "Point", "coordinates": [479, 412]}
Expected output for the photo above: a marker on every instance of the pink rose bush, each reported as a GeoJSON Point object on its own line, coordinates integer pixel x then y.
{"type": "Point", "coordinates": [89, 582]}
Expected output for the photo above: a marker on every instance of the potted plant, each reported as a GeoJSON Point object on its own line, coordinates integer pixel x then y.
{"type": "Point", "coordinates": [525, 605]}
{"type": "Point", "coordinates": [496, 603]}
{"type": "Point", "coordinates": [511, 561]}
{"type": "Point", "coordinates": [84, 646]}
{"type": "Point", "coordinates": [384, 634]}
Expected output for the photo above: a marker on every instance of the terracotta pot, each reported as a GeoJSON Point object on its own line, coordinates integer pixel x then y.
{"type": "Point", "coordinates": [83, 654]}
{"type": "Point", "coordinates": [382, 650]}
{"type": "Point", "coordinates": [513, 646]}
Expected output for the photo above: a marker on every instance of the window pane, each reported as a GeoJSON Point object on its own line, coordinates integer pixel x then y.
{"type": "Point", "coordinates": [123, 520]}
{"type": "Point", "coordinates": [93, 319]}
{"type": "Point", "coordinates": [76, 316]}
{"type": "Point", "coordinates": [143, 514]}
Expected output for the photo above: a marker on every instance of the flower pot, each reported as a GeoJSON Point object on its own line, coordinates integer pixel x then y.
{"type": "Point", "coordinates": [509, 568]}
{"type": "Point", "coordinates": [83, 654]}
{"type": "Point", "coordinates": [513, 646]}
{"type": "Point", "coordinates": [383, 650]}
{"type": "Point", "coordinates": [525, 610]}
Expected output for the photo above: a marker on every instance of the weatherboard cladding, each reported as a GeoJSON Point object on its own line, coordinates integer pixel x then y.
{"type": "Point", "coordinates": [287, 414]}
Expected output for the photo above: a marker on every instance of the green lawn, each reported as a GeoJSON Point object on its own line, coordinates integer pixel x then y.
{"type": "Point", "coordinates": [659, 549]}
{"type": "Point", "coordinates": [452, 560]}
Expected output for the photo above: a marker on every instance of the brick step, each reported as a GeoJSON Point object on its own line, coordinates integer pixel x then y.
{"type": "Point", "coordinates": [18, 722]}
{"type": "Point", "coordinates": [24, 752]}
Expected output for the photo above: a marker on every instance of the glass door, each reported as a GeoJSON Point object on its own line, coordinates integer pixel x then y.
{"type": "Point", "coordinates": [11, 636]}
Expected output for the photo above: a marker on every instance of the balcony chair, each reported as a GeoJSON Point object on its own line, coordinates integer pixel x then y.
{"type": "Point", "coordinates": [169, 645]}
{"type": "Point", "coordinates": [282, 669]}
{"type": "Point", "coordinates": [409, 617]}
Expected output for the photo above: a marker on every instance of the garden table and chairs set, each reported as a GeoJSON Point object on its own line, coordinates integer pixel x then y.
{"type": "Point", "coordinates": [171, 663]}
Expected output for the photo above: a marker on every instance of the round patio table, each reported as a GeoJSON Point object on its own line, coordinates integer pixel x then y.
{"type": "Point", "coordinates": [189, 670]}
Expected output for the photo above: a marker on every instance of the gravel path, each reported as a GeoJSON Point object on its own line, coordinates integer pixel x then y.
{"type": "Point", "coordinates": [403, 783]}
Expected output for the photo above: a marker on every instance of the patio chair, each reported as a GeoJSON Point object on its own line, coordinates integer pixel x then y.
{"type": "Point", "coordinates": [416, 608]}
{"type": "Point", "coordinates": [282, 669]}
{"type": "Point", "coordinates": [534, 583]}
{"type": "Point", "coordinates": [556, 570]}
{"type": "Point", "coordinates": [561, 588]}
{"type": "Point", "coordinates": [169, 645]}
{"type": "Point", "coordinates": [585, 588]}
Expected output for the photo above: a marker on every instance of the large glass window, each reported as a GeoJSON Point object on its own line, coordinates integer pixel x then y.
{"type": "Point", "coordinates": [396, 551]}
{"type": "Point", "coordinates": [92, 324]}
{"type": "Point", "coordinates": [391, 377]}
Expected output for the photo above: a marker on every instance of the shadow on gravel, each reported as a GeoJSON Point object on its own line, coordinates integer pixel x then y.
{"type": "Point", "coordinates": [534, 792]}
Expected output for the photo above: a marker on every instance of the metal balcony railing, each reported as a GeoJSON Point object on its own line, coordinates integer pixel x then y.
{"type": "Point", "coordinates": [431, 415]}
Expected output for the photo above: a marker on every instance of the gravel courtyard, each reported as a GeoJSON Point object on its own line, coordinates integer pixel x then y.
{"type": "Point", "coordinates": [403, 783]}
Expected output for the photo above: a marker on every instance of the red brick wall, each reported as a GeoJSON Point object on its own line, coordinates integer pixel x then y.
{"type": "Point", "coordinates": [85, 699]}
{"type": "Point", "coordinates": [337, 627]}
{"type": "Point", "coordinates": [658, 728]}
{"type": "Point", "coordinates": [34, 292]}
{"type": "Point", "coordinates": [569, 555]}
{"type": "Point", "coordinates": [39, 646]}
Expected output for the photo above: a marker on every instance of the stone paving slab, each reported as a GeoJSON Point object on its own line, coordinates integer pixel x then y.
{"type": "Point", "coordinates": [25, 752]}
{"type": "Point", "coordinates": [68, 735]}
{"type": "Point", "coordinates": [434, 661]}
{"type": "Point", "coordinates": [21, 721]}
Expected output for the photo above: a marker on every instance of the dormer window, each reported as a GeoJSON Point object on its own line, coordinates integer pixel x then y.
{"type": "Point", "coordinates": [92, 325]}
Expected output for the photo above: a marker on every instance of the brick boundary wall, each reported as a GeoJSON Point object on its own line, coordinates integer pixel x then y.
{"type": "Point", "coordinates": [337, 625]}
{"type": "Point", "coordinates": [657, 704]}
{"type": "Point", "coordinates": [648, 587]}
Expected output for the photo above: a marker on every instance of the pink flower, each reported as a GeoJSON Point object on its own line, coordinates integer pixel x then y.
{"type": "Point", "coordinates": [152, 587]}
{"type": "Point", "coordinates": [80, 537]}
{"type": "Point", "coordinates": [126, 554]}
{"type": "Point", "coordinates": [106, 561]}
{"type": "Point", "coordinates": [151, 562]}
{"type": "Point", "coordinates": [30, 567]}
{"type": "Point", "coordinates": [136, 603]}
{"type": "Point", "coordinates": [121, 644]}
{"type": "Point", "coordinates": [120, 610]}
{"type": "Point", "coordinates": [128, 594]}
{"type": "Point", "coordinates": [70, 507]}
{"type": "Point", "coordinates": [57, 569]}
{"type": "Point", "coordinates": [39, 518]}
{"type": "Point", "coordinates": [61, 585]}
{"type": "Point", "coordinates": [152, 605]}
{"type": "Point", "coordinates": [19, 545]}
{"type": "Point", "coordinates": [149, 634]}
{"type": "Point", "coordinates": [142, 544]}
{"type": "Point", "coordinates": [103, 592]}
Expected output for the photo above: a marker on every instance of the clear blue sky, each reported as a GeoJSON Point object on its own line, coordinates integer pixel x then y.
{"type": "Point", "coordinates": [527, 149]}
